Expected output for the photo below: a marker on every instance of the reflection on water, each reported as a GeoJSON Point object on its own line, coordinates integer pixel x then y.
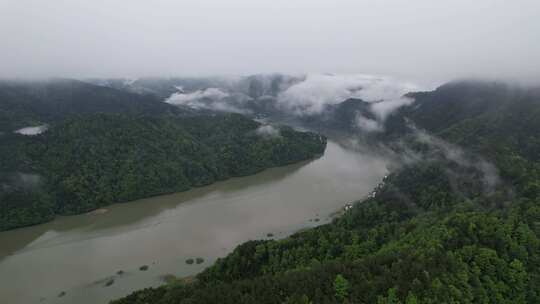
{"type": "Point", "coordinates": [82, 254]}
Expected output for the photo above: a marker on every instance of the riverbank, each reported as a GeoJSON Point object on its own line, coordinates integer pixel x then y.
{"type": "Point", "coordinates": [163, 232]}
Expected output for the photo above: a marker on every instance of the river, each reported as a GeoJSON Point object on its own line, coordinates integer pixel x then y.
{"type": "Point", "coordinates": [73, 259]}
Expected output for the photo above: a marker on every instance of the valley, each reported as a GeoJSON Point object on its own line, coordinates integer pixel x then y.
{"type": "Point", "coordinates": [263, 204]}
{"type": "Point", "coordinates": [270, 152]}
{"type": "Point", "coordinates": [83, 252]}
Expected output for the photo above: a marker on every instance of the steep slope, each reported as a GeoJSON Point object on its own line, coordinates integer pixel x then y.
{"type": "Point", "coordinates": [431, 232]}
{"type": "Point", "coordinates": [462, 102]}
{"type": "Point", "coordinates": [90, 161]}
{"type": "Point", "coordinates": [24, 103]}
{"type": "Point", "coordinates": [341, 117]}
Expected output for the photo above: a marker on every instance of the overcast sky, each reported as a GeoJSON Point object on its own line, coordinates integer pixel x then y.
{"type": "Point", "coordinates": [408, 38]}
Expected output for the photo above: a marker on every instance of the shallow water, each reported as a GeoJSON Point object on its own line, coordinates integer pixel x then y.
{"type": "Point", "coordinates": [79, 254]}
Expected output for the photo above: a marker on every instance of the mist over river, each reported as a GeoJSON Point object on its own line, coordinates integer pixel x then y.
{"type": "Point", "coordinates": [80, 255]}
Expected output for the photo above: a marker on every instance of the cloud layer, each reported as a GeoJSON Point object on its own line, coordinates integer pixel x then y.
{"type": "Point", "coordinates": [319, 90]}
{"type": "Point", "coordinates": [193, 99]}
{"type": "Point", "coordinates": [214, 99]}
{"type": "Point", "coordinates": [301, 95]}
{"type": "Point", "coordinates": [421, 38]}
{"type": "Point", "coordinates": [268, 130]}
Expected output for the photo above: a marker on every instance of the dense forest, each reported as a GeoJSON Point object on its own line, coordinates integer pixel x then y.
{"type": "Point", "coordinates": [458, 222]}
{"type": "Point", "coordinates": [122, 148]}
{"type": "Point", "coordinates": [24, 103]}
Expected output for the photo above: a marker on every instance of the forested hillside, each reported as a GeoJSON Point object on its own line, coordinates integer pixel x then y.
{"type": "Point", "coordinates": [24, 103]}
{"type": "Point", "coordinates": [459, 222]}
{"type": "Point", "coordinates": [339, 117]}
{"type": "Point", "coordinates": [89, 161]}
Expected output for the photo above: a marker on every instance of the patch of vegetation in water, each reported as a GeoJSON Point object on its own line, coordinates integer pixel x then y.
{"type": "Point", "coordinates": [199, 260]}
{"type": "Point", "coordinates": [169, 278]}
{"type": "Point", "coordinates": [143, 268]}
{"type": "Point", "coordinates": [190, 261]}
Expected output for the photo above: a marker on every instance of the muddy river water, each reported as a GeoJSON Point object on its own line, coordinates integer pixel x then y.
{"type": "Point", "coordinates": [73, 259]}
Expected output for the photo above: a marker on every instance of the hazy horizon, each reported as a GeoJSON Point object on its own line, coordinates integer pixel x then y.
{"type": "Point", "coordinates": [424, 40]}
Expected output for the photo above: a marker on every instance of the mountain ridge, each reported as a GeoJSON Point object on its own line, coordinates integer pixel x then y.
{"type": "Point", "coordinates": [430, 233]}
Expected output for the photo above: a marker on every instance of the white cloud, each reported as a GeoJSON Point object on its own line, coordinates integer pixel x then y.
{"type": "Point", "coordinates": [193, 99]}
{"type": "Point", "coordinates": [490, 174]}
{"type": "Point", "coordinates": [30, 131]}
{"type": "Point", "coordinates": [318, 90]}
{"type": "Point", "coordinates": [386, 107]}
{"type": "Point", "coordinates": [304, 95]}
{"type": "Point", "coordinates": [214, 99]}
{"type": "Point", "coordinates": [366, 124]}
{"type": "Point", "coordinates": [268, 130]}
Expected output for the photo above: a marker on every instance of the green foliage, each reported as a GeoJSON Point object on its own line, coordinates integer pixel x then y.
{"type": "Point", "coordinates": [88, 162]}
{"type": "Point", "coordinates": [25, 102]}
{"type": "Point", "coordinates": [432, 234]}
{"type": "Point", "coordinates": [411, 299]}
{"type": "Point", "coordinates": [341, 286]}
{"type": "Point", "coordinates": [391, 298]}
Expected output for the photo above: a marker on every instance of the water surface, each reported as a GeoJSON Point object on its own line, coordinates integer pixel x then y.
{"type": "Point", "coordinates": [79, 254]}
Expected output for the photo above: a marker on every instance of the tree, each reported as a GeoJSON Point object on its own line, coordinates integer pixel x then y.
{"type": "Point", "coordinates": [411, 299]}
{"type": "Point", "coordinates": [341, 286]}
{"type": "Point", "coordinates": [391, 298]}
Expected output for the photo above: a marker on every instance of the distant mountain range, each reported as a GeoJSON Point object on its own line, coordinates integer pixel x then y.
{"type": "Point", "coordinates": [458, 222]}
{"type": "Point", "coordinates": [260, 96]}
{"type": "Point", "coordinates": [254, 86]}
{"type": "Point", "coordinates": [24, 103]}
{"type": "Point", "coordinates": [83, 146]}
